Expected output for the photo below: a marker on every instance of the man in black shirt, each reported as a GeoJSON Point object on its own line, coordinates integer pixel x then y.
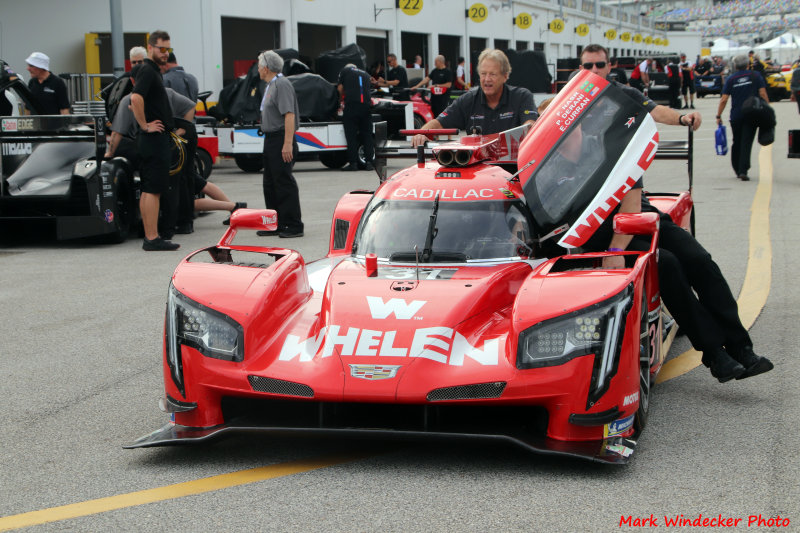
{"type": "Point", "coordinates": [441, 79]}
{"type": "Point", "coordinates": [150, 106]}
{"type": "Point", "coordinates": [491, 107]}
{"type": "Point", "coordinates": [50, 90]}
{"type": "Point", "coordinates": [396, 76]}
{"type": "Point", "coordinates": [691, 283]}
{"type": "Point", "coordinates": [617, 74]}
{"type": "Point", "coordinates": [354, 84]}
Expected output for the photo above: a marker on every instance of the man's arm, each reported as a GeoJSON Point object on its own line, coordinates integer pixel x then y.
{"type": "Point", "coordinates": [667, 115]}
{"type": "Point", "coordinates": [423, 81]}
{"type": "Point", "coordinates": [762, 92]}
{"type": "Point", "coordinates": [137, 106]}
{"type": "Point", "coordinates": [631, 203]}
{"type": "Point", "coordinates": [113, 142]}
{"type": "Point", "coordinates": [723, 101]}
{"type": "Point", "coordinates": [419, 140]}
{"type": "Point", "coordinates": [287, 152]}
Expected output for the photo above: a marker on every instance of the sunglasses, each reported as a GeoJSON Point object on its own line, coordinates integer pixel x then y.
{"type": "Point", "coordinates": [598, 64]}
{"type": "Point", "coordinates": [163, 49]}
{"type": "Point", "coordinates": [138, 61]}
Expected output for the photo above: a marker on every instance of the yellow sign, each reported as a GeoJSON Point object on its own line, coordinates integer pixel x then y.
{"type": "Point", "coordinates": [411, 7]}
{"type": "Point", "coordinates": [666, 43]}
{"type": "Point", "coordinates": [478, 12]}
{"type": "Point", "coordinates": [557, 26]}
{"type": "Point", "coordinates": [637, 38]}
{"type": "Point", "coordinates": [611, 35]}
{"type": "Point", "coordinates": [523, 21]}
{"type": "Point", "coordinates": [648, 40]}
{"type": "Point", "coordinates": [582, 30]}
{"type": "Point", "coordinates": [657, 41]}
{"type": "Point", "coordinates": [625, 37]}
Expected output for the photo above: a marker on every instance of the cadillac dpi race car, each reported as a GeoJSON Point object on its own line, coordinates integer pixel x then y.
{"type": "Point", "coordinates": [447, 305]}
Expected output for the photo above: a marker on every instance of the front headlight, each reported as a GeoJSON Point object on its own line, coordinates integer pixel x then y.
{"type": "Point", "coordinates": [210, 332]}
{"type": "Point", "coordinates": [596, 329]}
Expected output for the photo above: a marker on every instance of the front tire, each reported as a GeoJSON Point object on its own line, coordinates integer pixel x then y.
{"type": "Point", "coordinates": [333, 158]}
{"type": "Point", "coordinates": [203, 163]}
{"type": "Point", "coordinates": [125, 208]}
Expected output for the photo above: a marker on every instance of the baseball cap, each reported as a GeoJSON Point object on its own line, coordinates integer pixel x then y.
{"type": "Point", "coordinates": [39, 60]}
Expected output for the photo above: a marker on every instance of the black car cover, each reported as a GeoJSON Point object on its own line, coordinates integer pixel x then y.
{"type": "Point", "coordinates": [529, 70]}
{"type": "Point", "coordinates": [330, 63]}
{"type": "Point", "coordinates": [317, 98]}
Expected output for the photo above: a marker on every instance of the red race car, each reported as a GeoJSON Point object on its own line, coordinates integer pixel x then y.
{"type": "Point", "coordinates": [447, 306]}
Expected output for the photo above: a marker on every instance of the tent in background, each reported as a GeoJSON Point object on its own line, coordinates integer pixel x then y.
{"type": "Point", "coordinates": [782, 49]}
{"type": "Point", "coordinates": [727, 48]}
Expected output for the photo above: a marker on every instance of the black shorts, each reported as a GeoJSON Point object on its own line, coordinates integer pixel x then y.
{"type": "Point", "coordinates": [688, 85]}
{"type": "Point", "coordinates": [198, 183]}
{"type": "Point", "coordinates": [154, 150]}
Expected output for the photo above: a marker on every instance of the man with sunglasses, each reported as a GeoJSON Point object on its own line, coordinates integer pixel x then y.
{"type": "Point", "coordinates": [151, 109]}
{"type": "Point", "coordinates": [692, 285]}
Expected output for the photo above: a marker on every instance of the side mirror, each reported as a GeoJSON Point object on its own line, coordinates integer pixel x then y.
{"type": "Point", "coordinates": [636, 223]}
{"type": "Point", "coordinates": [254, 219]}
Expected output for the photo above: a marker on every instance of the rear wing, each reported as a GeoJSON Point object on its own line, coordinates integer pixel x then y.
{"type": "Point", "coordinates": [55, 128]}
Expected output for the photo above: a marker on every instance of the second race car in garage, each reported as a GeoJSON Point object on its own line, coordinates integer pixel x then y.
{"type": "Point", "coordinates": [454, 302]}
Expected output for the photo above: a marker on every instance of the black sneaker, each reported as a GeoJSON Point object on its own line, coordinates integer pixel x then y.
{"type": "Point", "coordinates": [287, 234]}
{"type": "Point", "coordinates": [265, 233]}
{"type": "Point", "coordinates": [723, 366]}
{"type": "Point", "coordinates": [237, 205]}
{"type": "Point", "coordinates": [369, 166]}
{"type": "Point", "coordinates": [743, 177]}
{"type": "Point", "coordinates": [685, 107]}
{"type": "Point", "coordinates": [159, 245]}
{"type": "Point", "coordinates": [691, 106]}
{"type": "Point", "coordinates": [753, 364]}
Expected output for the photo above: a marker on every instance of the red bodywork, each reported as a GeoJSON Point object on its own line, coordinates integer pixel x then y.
{"type": "Point", "coordinates": [419, 348]}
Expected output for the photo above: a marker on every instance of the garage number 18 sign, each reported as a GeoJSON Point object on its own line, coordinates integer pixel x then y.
{"type": "Point", "coordinates": [411, 7]}
{"type": "Point", "coordinates": [523, 21]}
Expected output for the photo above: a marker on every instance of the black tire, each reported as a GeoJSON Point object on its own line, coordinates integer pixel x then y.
{"type": "Point", "coordinates": [249, 162]}
{"type": "Point", "coordinates": [418, 122]}
{"type": "Point", "coordinates": [203, 163]}
{"type": "Point", "coordinates": [125, 208]}
{"type": "Point", "coordinates": [333, 159]}
{"type": "Point", "coordinates": [640, 420]}
{"type": "Point", "coordinates": [362, 162]}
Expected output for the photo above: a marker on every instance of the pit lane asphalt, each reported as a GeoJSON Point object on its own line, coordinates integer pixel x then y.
{"type": "Point", "coordinates": [81, 327]}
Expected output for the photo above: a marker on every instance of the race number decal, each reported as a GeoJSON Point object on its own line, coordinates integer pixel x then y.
{"type": "Point", "coordinates": [411, 7]}
{"type": "Point", "coordinates": [411, 273]}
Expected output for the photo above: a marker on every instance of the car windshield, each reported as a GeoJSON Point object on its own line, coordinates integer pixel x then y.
{"type": "Point", "coordinates": [464, 231]}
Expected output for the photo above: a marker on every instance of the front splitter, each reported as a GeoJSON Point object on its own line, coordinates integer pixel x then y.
{"type": "Point", "coordinates": [614, 450]}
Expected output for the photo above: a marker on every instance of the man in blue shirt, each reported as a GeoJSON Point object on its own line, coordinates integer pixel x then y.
{"type": "Point", "coordinates": [739, 87]}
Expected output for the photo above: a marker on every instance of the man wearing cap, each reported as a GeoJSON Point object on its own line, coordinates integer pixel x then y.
{"type": "Point", "coordinates": [50, 91]}
{"type": "Point", "coordinates": [687, 70]}
{"type": "Point", "coordinates": [179, 80]}
{"type": "Point", "coordinates": [150, 106]}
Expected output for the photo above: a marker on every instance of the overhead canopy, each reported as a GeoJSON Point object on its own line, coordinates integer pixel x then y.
{"type": "Point", "coordinates": [783, 49]}
{"type": "Point", "coordinates": [727, 48]}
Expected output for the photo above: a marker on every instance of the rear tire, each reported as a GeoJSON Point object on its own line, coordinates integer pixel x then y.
{"type": "Point", "coordinates": [203, 163]}
{"type": "Point", "coordinates": [249, 162]}
{"type": "Point", "coordinates": [333, 159]}
{"type": "Point", "coordinates": [418, 122]}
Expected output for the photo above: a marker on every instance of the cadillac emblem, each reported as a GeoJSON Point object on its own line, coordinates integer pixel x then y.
{"type": "Point", "coordinates": [374, 372]}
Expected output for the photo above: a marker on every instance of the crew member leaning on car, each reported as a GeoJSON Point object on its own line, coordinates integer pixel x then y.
{"type": "Point", "coordinates": [710, 317]}
{"type": "Point", "coordinates": [491, 107]}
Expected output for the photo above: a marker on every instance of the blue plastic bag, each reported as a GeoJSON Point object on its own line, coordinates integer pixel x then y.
{"type": "Point", "coordinates": [722, 140]}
